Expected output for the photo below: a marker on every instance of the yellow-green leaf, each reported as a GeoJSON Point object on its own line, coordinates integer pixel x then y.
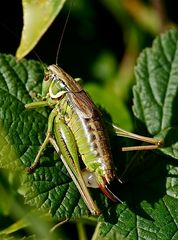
{"type": "Point", "coordinates": [37, 15]}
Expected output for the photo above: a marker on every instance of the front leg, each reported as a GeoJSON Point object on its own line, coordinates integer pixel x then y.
{"type": "Point", "coordinates": [45, 103]}
{"type": "Point", "coordinates": [46, 141]}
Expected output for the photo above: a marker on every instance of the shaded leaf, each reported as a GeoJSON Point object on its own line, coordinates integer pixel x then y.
{"type": "Point", "coordinates": [150, 210]}
{"type": "Point", "coordinates": [49, 187]}
{"type": "Point", "coordinates": [156, 90]}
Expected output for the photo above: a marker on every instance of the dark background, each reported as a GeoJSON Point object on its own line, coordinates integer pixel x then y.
{"type": "Point", "coordinates": [86, 34]}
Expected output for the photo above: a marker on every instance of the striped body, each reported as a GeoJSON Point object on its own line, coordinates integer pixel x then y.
{"type": "Point", "coordinates": [90, 137]}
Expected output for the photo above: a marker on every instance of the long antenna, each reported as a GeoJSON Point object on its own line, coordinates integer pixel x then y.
{"type": "Point", "coordinates": [63, 31]}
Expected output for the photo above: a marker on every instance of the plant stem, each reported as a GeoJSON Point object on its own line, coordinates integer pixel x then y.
{"type": "Point", "coordinates": [96, 233]}
{"type": "Point", "coordinates": [81, 231]}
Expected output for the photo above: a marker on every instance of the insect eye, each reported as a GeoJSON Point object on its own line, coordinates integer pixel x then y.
{"type": "Point", "coordinates": [46, 77]}
{"type": "Point", "coordinates": [46, 84]}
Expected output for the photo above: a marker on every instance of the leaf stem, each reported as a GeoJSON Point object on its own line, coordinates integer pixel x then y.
{"type": "Point", "coordinates": [96, 232]}
{"type": "Point", "coordinates": [81, 231]}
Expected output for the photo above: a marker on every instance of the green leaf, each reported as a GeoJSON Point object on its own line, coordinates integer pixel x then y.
{"type": "Point", "coordinates": [49, 187]}
{"type": "Point", "coordinates": [150, 210]}
{"type": "Point", "coordinates": [156, 90]}
{"type": "Point", "coordinates": [38, 16]}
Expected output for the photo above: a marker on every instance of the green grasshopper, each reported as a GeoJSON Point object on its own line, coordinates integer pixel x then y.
{"type": "Point", "coordinates": [76, 131]}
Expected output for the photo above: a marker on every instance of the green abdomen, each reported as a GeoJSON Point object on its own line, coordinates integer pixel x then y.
{"type": "Point", "coordinates": [91, 140]}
